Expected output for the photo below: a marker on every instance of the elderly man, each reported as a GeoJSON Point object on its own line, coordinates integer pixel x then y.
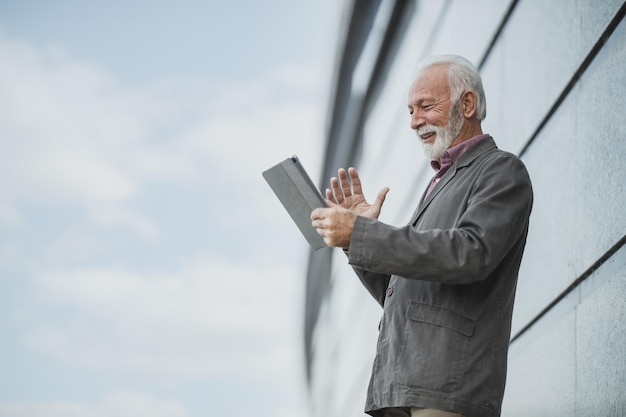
{"type": "Point", "coordinates": [446, 280]}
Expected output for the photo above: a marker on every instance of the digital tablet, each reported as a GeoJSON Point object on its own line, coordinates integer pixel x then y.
{"type": "Point", "coordinates": [298, 194]}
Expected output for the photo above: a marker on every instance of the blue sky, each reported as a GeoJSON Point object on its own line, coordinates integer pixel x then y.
{"type": "Point", "coordinates": [145, 266]}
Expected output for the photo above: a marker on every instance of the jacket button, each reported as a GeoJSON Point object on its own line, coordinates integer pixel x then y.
{"type": "Point", "coordinates": [389, 291]}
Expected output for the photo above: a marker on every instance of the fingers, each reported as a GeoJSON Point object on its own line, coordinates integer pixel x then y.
{"type": "Point", "coordinates": [334, 225]}
{"type": "Point", "coordinates": [330, 198]}
{"type": "Point", "coordinates": [356, 181]}
{"type": "Point", "coordinates": [318, 213]}
{"type": "Point", "coordinates": [336, 190]}
{"type": "Point", "coordinates": [340, 186]}
{"type": "Point", "coordinates": [320, 223]}
{"type": "Point", "coordinates": [345, 183]}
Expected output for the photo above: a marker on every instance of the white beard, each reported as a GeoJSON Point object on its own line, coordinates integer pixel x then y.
{"type": "Point", "coordinates": [442, 142]}
{"type": "Point", "coordinates": [445, 135]}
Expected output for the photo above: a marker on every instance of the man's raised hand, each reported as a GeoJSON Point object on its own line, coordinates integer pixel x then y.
{"type": "Point", "coordinates": [347, 193]}
{"type": "Point", "coordinates": [346, 202]}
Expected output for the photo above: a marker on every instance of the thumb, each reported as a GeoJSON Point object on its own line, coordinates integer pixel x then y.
{"type": "Point", "coordinates": [380, 199]}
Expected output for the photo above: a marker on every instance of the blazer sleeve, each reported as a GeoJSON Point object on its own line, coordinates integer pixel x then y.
{"type": "Point", "coordinates": [375, 283]}
{"type": "Point", "coordinates": [494, 220]}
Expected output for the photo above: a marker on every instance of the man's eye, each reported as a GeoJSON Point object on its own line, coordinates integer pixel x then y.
{"type": "Point", "coordinates": [427, 107]}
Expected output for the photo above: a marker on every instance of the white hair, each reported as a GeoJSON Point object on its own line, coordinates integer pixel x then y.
{"type": "Point", "coordinates": [462, 76]}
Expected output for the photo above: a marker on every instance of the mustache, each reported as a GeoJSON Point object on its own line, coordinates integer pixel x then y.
{"type": "Point", "coordinates": [427, 129]}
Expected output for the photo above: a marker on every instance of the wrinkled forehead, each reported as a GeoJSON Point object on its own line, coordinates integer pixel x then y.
{"type": "Point", "coordinates": [432, 81]}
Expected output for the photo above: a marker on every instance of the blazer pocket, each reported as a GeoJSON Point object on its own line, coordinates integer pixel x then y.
{"type": "Point", "coordinates": [434, 348]}
{"type": "Point", "coordinates": [440, 316]}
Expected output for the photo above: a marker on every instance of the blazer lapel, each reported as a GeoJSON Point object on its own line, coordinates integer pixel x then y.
{"type": "Point", "coordinates": [465, 160]}
{"type": "Point", "coordinates": [426, 199]}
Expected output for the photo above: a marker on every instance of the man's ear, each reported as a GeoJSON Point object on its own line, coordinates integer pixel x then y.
{"type": "Point", "coordinates": [468, 104]}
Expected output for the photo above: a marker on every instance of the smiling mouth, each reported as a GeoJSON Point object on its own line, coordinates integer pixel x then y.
{"type": "Point", "coordinates": [426, 136]}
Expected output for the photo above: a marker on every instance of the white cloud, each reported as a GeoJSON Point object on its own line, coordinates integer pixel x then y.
{"type": "Point", "coordinates": [119, 404]}
{"type": "Point", "coordinates": [261, 123]}
{"type": "Point", "coordinates": [10, 254]}
{"type": "Point", "coordinates": [71, 246]}
{"type": "Point", "coordinates": [76, 137]}
{"type": "Point", "coordinates": [10, 217]}
{"type": "Point", "coordinates": [125, 217]}
{"type": "Point", "coordinates": [209, 319]}
{"type": "Point", "coordinates": [62, 124]}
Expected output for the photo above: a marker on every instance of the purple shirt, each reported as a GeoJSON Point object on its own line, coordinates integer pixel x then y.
{"type": "Point", "coordinates": [450, 156]}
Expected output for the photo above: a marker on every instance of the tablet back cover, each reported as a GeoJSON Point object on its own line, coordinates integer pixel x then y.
{"type": "Point", "coordinates": [298, 194]}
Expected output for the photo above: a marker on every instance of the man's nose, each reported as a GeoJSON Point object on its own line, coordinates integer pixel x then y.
{"type": "Point", "coordinates": [417, 120]}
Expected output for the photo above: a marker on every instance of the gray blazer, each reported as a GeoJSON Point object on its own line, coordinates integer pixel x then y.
{"type": "Point", "coordinates": [446, 282]}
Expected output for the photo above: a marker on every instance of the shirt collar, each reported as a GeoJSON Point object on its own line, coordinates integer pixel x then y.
{"type": "Point", "coordinates": [451, 155]}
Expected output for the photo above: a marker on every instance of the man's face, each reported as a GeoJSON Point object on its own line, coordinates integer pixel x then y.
{"type": "Point", "coordinates": [429, 105]}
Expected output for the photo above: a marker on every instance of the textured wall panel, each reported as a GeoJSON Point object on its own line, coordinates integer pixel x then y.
{"type": "Point", "coordinates": [541, 378]}
{"type": "Point", "coordinates": [601, 345]}
{"type": "Point", "coordinates": [541, 47]}
{"type": "Point", "coordinates": [573, 362]}
{"type": "Point", "coordinates": [577, 167]}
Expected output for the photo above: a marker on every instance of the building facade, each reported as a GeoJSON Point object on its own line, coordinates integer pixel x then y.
{"type": "Point", "coordinates": [554, 73]}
